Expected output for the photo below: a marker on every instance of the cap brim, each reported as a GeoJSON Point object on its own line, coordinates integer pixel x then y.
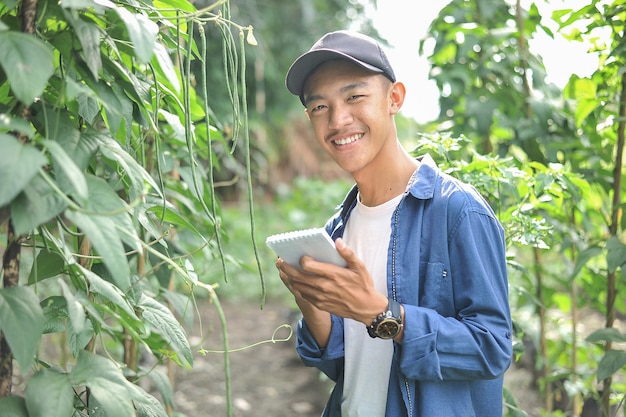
{"type": "Point", "coordinates": [306, 64]}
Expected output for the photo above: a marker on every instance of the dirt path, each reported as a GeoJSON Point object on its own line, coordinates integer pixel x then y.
{"type": "Point", "coordinates": [268, 380]}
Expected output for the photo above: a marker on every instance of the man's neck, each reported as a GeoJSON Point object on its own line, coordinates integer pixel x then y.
{"type": "Point", "coordinates": [383, 183]}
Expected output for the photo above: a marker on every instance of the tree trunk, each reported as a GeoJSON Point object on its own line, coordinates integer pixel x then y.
{"type": "Point", "coordinates": [611, 291]}
{"type": "Point", "coordinates": [11, 267]}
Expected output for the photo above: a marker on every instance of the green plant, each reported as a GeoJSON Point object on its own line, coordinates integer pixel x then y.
{"type": "Point", "coordinates": [107, 196]}
{"type": "Point", "coordinates": [494, 91]}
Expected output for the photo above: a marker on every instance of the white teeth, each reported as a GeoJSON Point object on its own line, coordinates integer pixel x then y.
{"type": "Point", "coordinates": [349, 139]}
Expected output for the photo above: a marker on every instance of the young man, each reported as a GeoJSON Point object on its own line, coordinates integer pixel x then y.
{"type": "Point", "coordinates": [418, 323]}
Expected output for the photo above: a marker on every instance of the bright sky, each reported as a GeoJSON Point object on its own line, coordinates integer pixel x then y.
{"type": "Point", "coordinates": [404, 29]}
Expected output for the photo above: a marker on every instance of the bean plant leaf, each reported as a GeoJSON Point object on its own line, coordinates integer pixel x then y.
{"type": "Point", "coordinates": [38, 203]}
{"type": "Point", "coordinates": [171, 216]}
{"type": "Point", "coordinates": [164, 62]}
{"type": "Point", "coordinates": [55, 312]}
{"type": "Point", "coordinates": [65, 164]}
{"type": "Point", "coordinates": [9, 123]}
{"type": "Point", "coordinates": [106, 240]}
{"type": "Point", "coordinates": [182, 5]}
{"type": "Point", "coordinates": [19, 163]}
{"type": "Point", "coordinates": [146, 404]}
{"type": "Point", "coordinates": [27, 62]}
{"type": "Point", "coordinates": [75, 310]}
{"type": "Point", "coordinates": [606, 335]}
{"type": "Point", "coordinates": [103, 199]}
{"type": "Point", "coordinates": [49, 394]}
{"type": "Point", "coordinates": [164, 322]}
{"type": "Point", "coordinates": [89, 36]}
{"type": "Point", "coordinates": [611, 362]}
{"type": "Point", "coordinates": [47, 264]}
{"type": "Point", "coordinates": [163, 385]}
{"type": "Point", "coordinates": [109, 291]}
{"type": "Point", "coordinates": [584, 257]}
{"type": "Point", "coordinates": [616, 256]}
{"type": "Point", "coordinates": [13, 407]}
{"type": "Point", "coordinates": [106, 382]}
{"type": "Point", "coordinates": [137, 174]}
{"type": "Point", "coordinates": [142, 31]}
{"type": "Point", "coordinates": [76, 340]}
{"type": "Point", "coordinates": [19, 310]}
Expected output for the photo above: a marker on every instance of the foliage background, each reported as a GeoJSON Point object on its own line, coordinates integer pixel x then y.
{"type": "Point", "coordinates": [149, 147]}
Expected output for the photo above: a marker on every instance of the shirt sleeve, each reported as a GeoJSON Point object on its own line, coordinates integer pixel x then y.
{"type": "Point", "coordinates": [329, 360]}
{"type": "Point", "coordinates": [474, 341]}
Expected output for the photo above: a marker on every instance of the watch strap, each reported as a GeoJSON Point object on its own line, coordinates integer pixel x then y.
{"type": "Point", "coordinates": [393, 311]}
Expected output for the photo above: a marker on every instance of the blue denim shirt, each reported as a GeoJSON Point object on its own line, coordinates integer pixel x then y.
{"type": "Point", "coordinates": [446, 265]}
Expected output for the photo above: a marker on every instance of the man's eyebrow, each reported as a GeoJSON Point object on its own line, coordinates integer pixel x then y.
{"type": "Point", "coordinates": [344, 89]}
{"type": "Point", "coordinates": [314, 97]}
{"type": "Point", "coordinates": [353, 85]}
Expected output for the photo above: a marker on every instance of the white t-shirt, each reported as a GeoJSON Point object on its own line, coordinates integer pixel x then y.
{"type": "Point", "coordinates": [367, 360]}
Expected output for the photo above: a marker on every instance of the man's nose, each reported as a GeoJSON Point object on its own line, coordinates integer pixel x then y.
{"type": "Point", "coordinates": [340, 116]}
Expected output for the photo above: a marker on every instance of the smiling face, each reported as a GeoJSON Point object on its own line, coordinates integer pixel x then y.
{"type": "Point", "coordinates": [351, 111]}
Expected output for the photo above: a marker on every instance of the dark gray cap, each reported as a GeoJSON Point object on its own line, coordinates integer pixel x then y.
{"type": "Point", "coordinates": [342, 44]}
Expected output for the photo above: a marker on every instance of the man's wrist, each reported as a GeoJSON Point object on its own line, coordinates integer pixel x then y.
{"type": "Point", "coordinates": [389, 323]}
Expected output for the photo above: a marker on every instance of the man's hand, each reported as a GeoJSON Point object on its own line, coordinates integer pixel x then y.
{"type": "Point", "coordinates": [322, 287]}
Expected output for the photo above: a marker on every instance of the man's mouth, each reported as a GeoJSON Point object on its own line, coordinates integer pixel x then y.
{"type": "Point", "coordinates": [347, 140]}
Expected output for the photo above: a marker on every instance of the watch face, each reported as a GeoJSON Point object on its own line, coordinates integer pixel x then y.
{"type": "Point", "coordinates": [388, 328]}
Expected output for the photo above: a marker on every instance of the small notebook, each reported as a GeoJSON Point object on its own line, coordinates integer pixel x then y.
{"type": "Point", "coordinates": [316, 243]}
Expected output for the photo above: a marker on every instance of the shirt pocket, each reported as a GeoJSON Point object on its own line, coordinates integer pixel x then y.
{"type": "Point", "coordinates": [432, 276]}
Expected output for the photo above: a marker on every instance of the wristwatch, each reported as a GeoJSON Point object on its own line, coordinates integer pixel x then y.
{"type": "Point", "coordinates": [388, 324]}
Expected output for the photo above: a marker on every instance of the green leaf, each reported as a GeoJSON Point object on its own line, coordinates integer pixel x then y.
{"type": "Point", "coordinates": [106, 382]}
{"type": "Point", "coordinates": [162, 319]}
{"type": "Point", "coordinates": [65, 164]}
{"type": "Point", "coordinates": [89, 36]}
{"type": "Point", "coordinates": [173, 120]}
{"type": "Point", "coordinates": [110, 101]}
{"type": "Point", "coordinates": [76, 340]}
{"type": "Point", "coordinates": [13, 407]}
{"type": "Point", "coordinates": [146, 404]}
{"type": "Point", "coordinates": [55, 311]}
{"type": "Point", "coordinates": [75, 310]}
{"type": "Point", "coordinates": [20, 310]}
{"type": "Point", "coordinates": [80, 146]}
{"type": "Point", "coordinates": [137, 174]}
{"type": "Point", "coordinates": [173, 217]}
{"type": "Point", "coordinates": [103, 233]}
{"type": "Point", "coordinates": [183, 5]}
{"type": "Point", "coordinates": [142, 31]}
{"type": "Point", "coordinates": [616, 256]}
{"type": "Point", "coordinates": [585, 256]}
{"type": "Point", "coordinates": [88, 107]}
{"type": "Point", "coordinates": [611, 362]}
{"type": "Point", "coordinates": [18, 162]}
{"type": "Point", "coordinates": [47, 264]}
{"type": "Point", "coordinates": [109, 291]}
{"type": "Point", "coordinates": [606, 335]}
{"type": "Point", "coordinates": [102, 198]}
{"type": "Point", "coordinates": [38, 203]}
{"type": "Point", "coordinates": [162, 384]}
{"type": "Point", "coordinates": [9, 123]}
{"type": "Point", "coordinates": [49, 394]}
{"type": "Point", "coordinates": [165, 64]}
{"type": "Point", "coordinates": [27, 62]}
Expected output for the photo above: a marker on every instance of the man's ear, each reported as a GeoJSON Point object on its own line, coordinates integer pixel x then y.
{"type": "Point", "coordinates": [397, 92]}
{"type": "Point", "coordinates": [306, 111]}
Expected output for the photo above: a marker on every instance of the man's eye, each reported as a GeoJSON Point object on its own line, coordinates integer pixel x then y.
{"type": "Point", "coordinates": [317, 108]}
{"type": "Point", "coordinates": [354, 97]}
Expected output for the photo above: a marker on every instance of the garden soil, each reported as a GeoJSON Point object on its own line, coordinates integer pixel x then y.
{"type": "Point", "coordinates": [267, 378]}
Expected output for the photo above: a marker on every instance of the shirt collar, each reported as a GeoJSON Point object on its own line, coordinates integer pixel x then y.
{"type": "Point", "coordinates": [423, 186]}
